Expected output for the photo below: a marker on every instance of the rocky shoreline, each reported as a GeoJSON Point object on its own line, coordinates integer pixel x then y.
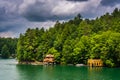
{"type": "Point", "coordinates": [32, 63]}
{"type": "Point", "coordinates": [41, 63]}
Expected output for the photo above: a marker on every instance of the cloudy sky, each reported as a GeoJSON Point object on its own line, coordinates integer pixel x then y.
{"type": "Point", "coordinates": [18, 15]}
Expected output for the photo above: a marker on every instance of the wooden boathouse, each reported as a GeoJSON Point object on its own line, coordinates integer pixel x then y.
{"type": "Point", "coordinates": [49, 59]}
{"type": "Point", "coordinates": [95, 63]}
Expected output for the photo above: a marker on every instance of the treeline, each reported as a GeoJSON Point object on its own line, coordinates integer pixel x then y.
{"type": "Point", "coordinates": [8, 47]}
{"type": "Point", "coordinates": [74, 41]}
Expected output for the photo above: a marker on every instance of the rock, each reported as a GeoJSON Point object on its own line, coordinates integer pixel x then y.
{"type": "Point", "coordinates": [79, 65]}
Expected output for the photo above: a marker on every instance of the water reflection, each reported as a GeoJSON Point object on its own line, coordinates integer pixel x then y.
{"type": "Point", "coordinates": [65, 73]}
{"type": "Point", "coordinates": [97, 69]}
{"type": "Point", "coordinates": [102, 73]}
{"type": "Point", "coordinates": [29, 72]}
{"type": "Point", "coordinates": [94, 73]}
{"type": "Point", "coordinates": [10, 71]}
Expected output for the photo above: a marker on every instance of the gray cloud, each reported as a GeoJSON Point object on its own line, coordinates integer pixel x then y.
{"type": "Point", "coordinates": [7, 34]}
{"type": "Point", "coordinates": [9, 26]}
{"type": "Point", "coordinates": [10, 29]}
{"type": "Point", "coordinates": [47, 10]}
{"type": "Point", "coordinates": [41, 10]}
{"type": "Point", "coordinates": [110, 2]}
{"type": "Point", "coordinates": [18, 15]}
{"type": "Point", "coordinates": [14, 28]}
{"type": "Point", "coordinates": [77, 0]}
{"type": "Point", "coordinates": [8, 10]}
{"type": "Point", "coordinates": [2, 14]}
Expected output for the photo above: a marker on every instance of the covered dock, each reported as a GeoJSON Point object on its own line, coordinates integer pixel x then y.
{"type": "Point", "coordinates": [95, 63]}
{"type": "Point", "coordinates": [49, 59]}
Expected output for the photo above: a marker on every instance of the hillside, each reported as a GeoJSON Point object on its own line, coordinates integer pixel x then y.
{"type": "Point", "coordinates": [74, 41]}
{"type": "Point", "coordinates": [8, 47]}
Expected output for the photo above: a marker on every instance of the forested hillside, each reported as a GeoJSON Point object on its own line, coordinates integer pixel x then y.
{"type": "Point", "coordinates": [8, 47]}
{"type": "Point", "coordinates": [74, 41]}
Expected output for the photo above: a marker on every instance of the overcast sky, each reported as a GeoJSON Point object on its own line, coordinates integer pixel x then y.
{"type": "Point", "coordinates": [18, 15]}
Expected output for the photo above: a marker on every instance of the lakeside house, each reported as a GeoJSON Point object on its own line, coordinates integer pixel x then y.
{"type": "Point", "coordinates": [95, 63]}
{"type": "Point", "coordinates": [49, 59]}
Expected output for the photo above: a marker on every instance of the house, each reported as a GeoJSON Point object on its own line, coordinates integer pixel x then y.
{"type": "Point", "coordinates": [95, 63]}
{"type": "Point", "coordinates": [49, 59]}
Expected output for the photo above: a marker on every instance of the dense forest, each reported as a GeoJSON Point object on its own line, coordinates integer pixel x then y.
{"type": "Point", "coordinates": [8, 47]}
{"type": "Point", "coordinates": [74, 41]}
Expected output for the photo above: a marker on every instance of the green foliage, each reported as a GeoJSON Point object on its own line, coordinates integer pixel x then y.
{"type": "Point", "coordinates": [74, 41]}
{"type": "Point", "coordinates": [55, 53]}
{"type": "Point", "coordinates": [5, 52]}
{"type": "Point", "coordinates": [11, 44]}
{"type": "Point", "coordinates": [109, 63]}
{"type": "Point", "coordinates": [106, 47]}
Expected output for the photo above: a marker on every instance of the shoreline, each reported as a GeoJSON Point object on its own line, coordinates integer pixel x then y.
{"type": "Point", "coordinates": [41, 63]}
{"type": "Point", "coordinates": [32, 63]}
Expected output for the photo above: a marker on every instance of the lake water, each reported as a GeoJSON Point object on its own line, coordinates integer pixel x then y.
{"type": "Point", "coordinates": [9, 70]}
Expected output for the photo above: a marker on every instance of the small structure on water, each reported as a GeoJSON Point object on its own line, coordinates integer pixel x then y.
{"type": "Point", "coordinates": [95, 63]}
{"type": "Point", "coordinates": [79, 65]}
{"type": "Point", "coordinates": [49, 59]}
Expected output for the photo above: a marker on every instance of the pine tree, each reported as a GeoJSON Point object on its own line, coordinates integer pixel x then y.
{"type": "Point", "coordinates": [5, 52]}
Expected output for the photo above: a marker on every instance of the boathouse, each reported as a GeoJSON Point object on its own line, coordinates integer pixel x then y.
{"type": "Point", "coordinates": [49, 59]}
{"type": "Point", "coordinates": [95, 63]}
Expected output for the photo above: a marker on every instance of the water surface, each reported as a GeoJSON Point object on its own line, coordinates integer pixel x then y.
{"type": "Point", "coordinates": [9, 70]}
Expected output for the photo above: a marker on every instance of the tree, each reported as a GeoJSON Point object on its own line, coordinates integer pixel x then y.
{"type": "Point", "coordinates": [20, 48]}
{"type": "Point", "coordinates": [116, 13]}
{"type": "Point", "coordinates": [77, 19]}
{"type": "Point", "coordinates": [74, 41]}
{"type": "Point", "coordinates": [11, 44]}
{"type": "Point", "coordinates": [5, 52]}
{"type": "Point", "coordinates": [84, 28]}
{"type": "Point", "coordinates": [55, 53]}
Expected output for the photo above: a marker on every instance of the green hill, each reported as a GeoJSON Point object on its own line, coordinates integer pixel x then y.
{"type": "Point", "coordinates": [74, 41]}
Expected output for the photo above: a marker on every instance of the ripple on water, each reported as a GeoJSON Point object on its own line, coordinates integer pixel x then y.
{"type": "Point", "coordinates": [10, 71]}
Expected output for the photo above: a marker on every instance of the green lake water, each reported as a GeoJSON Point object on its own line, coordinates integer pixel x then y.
{"type": "Point", "coordinates": [9, 70]}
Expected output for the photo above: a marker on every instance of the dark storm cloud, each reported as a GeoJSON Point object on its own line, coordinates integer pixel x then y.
{"type": "Point", "coordinates": [43, 11]}
{"type": "Point", "coordinates": [77, 0]}
{"type": "Point", "coordinates": [8, 10]}
{"type": "Point", "coordinates": [40, 10]}
{"type": "Point", "coordinates": [18, 15]}
{"type": "Point", "coordinates": [10, 29]}
{"type": "Point", "coordinates": [9, 26]}
{"type": "Point", "coordinates": [40, 18]}
{"type": "Point", "coordinates": [2, 13]}
{"type": "Point", "coordinates": [110, 2]}
{"type": "Point", "coordinates": [4, 28]}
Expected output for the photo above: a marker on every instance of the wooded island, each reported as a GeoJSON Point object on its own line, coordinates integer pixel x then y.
{"type": "Point", "coordinates": [8, 47]}
{"type": "Point", "coordinates": [74, 41]}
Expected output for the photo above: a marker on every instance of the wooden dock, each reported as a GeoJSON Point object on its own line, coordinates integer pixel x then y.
{"type": "Point", "coordinates": [95, 63]}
